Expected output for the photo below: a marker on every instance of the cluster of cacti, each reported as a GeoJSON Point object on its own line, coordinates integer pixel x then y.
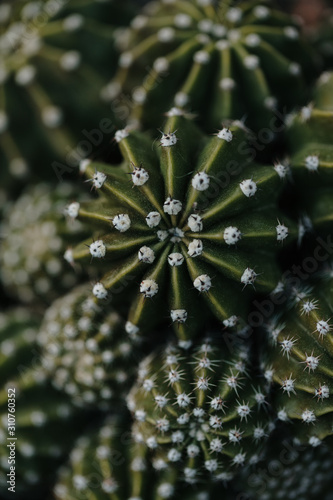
{"type": "Point", "coordinates": [86, 349]}
{"type": "Point", "coordinates": [56, 58]}
{"type": "Point", "coordinates": [38, 233]}
{"type": "Point", "coordinates": [221, 60]}
{"type": "Point", "coordinates": [178, 223]}
{"type": "Point", "coordinates": [32, 414]}
{"type": "Point", "coordinates": [178, 341]}
{"type": "Point", "coordinates": [204, 411]}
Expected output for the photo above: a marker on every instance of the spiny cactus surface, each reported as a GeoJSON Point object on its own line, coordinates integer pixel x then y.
{"type": "Point", "coordinates": [36, 234]}
{"type": "Point", "coordinates": [204, 411]}
{"type": "Point", "coordinates": [86, 349]}
{"type": "Point", "coordinates": [45, 421]}
{"type": "Point", "coordinates": [299, 361]}
{"type": "Point", "coordinates": [187, 223]}
{"type": "Point", "coordinates": [219, 59]}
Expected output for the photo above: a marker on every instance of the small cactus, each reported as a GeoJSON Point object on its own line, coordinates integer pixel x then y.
{"type": "Point", "coordinates": [45, 421]}
{"type": "Point", "coordinates": [222, 60]}
{"type": "Point", "coordinates": [36, 235]}
{"type": "Point", "coordinates": [107, 465]}
{"type": "Point", "coordinates": [299, 361]}
{"type": "Point", "coordinates": [203, 411]}
{"type": "Point", "coordinates": [189, 223]}
{"type": "Point", "coordinates": [86, 350]}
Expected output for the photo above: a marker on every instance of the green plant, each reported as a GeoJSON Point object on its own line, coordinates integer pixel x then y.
{"type": "Point", "coordinates": [37, 235]}
{"type": "Point", "coordinates": [178, 224]}
{"type": "Point", "coordinates": [203, 411]}
{"type": "Point", "coordinates": [299, 361]}
{"type": "Point", "coordinates": [221, 60]}
{"type": "Point", "coordinates": [86, 351]}
{"type": "Point", "coordinates": [43, 421]}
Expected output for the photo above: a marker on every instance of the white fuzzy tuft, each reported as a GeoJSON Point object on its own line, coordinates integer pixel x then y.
{"type": "Point", "coordinates": [175, 259]}
{"type": "Point", "coordinates": [172, 206]}
{"type": "Point", "coordinates": [200, 181]}
{"type": "Point", "coordinates": [312, 163]}
{"type": "Point", "coordinates": [178, 315]}
{"type": "Point", "coordinates": [146, 255]}
{"type": "Point", "coordinates": [153, 219]}
{"type": "Point", "coordinates": [121, 222]}
{"type": "Point", "coordinates": [97, 249]}
{"type": "Point", "coordinates": [168, 140]}
{"type": "Point", "coordinates": [281, 232]}
{"type": "Point", "coordinates": [195, 223]}
{"type": "Point", "coordinates": [249, 276]}
{"type": "Point", "coordinates": [225, 134]}
{"type": "Point", "coordinates": [100, 291]}
{"type": "Point", "coordinates": [203, 283]}
{"type": "Point", "coordinates": [248, 187]}
{"type": "Point", "coordinates": [73, 209]}
{"type": "Point", "coordinates": [139, 176]}
{"type": "Point", "coordinates": [148, 288]}
{"type": "Point", "coordinates": [232, 235]}
{"type": "Point", "coordinates": [98, 179]}
{"type": "Point", "coordinates": [195, 248]}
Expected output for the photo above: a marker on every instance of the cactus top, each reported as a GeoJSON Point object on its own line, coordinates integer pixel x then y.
{"type": "Point", "coordinates": [218, 59]}
{"type": "Point", "coordinates": [176, 222]}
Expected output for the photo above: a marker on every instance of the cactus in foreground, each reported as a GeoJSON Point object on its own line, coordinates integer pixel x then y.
{"type": "Point", "coordinates": [55, 59]}
{"type": "Point", "coordinates": [86, 349]}
{"type": "Point", "coordinates": [290, 471]}
{"type": "Point", "coordinates": [36, 235]}
{"type": "Point", "coordinates": [188, 223]}
{"type": "Point", "coordinates": [203, 411]}
{"type": "Point", "coordinates": [299, 361]}
{"type": "Point", "coordinates": [120, 471]}
{"type": "Point", "coordinates": [221, 60]}
{"type": "Point", "coordinates": [309, 136]}
{"type": "Point", "coordinates": [46, 424]}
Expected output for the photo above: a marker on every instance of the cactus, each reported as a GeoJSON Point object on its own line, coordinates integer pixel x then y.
{"type": "Point", "coordinates": [299, 361]}
{"type": "Point", "coordinates": [290, 471]}
{"type": "Point", "coordinates": [36, 235]}
{"type": "Point", "coordinates": [183, 220]}
{"type": "Point", "coordinates": [85, 349]}
{"type": "Point", "coordinates": [120, 471]}
{"type": "Point", "coordinates": [203, 411]}
{"type": "Point", "coordinates": [225, 62]}
{"type": "Point", "coordinates": [46, 423]}
{"type": "Point", "coordinates": [55, 59]}
{"type": "Point", "coordinates": [311, 156]}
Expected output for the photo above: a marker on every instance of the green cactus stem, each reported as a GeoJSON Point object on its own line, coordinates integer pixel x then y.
{"type": "Point", "coordinates": [188, 223]}
{"type": "Point", "coordinates": [203, 411]}
{"type": "Point", "coordinates": [222, 60]}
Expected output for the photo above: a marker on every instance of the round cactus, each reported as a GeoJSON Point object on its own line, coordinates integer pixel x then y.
{"type": "Point", "coordinates": [55, 59]}
{"type": "Point", "coordinates": [189, 223]}
{"type": "Point", "coordinates": [221, 60]}
{"type": "Point", "coordinates": [299, 360]}
{"type": "Point", "coordinates": [120, 471]}
{"type": "Point", "coordinates": [86, 349]}
{"type": "Point", "coordinates": [45, 422]}
{"type": "Point", "coordinates": [290, 471]}
{"type": "Point", "coordinates": [204, 412]}
{"type": "Point", "coordinates": [309, 136]}
{"type": "Point", "coordinates": [37, 235]}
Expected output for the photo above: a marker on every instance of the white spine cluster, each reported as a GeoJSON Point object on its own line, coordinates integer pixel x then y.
{"type": "Point", "coordinates": [172, 206]}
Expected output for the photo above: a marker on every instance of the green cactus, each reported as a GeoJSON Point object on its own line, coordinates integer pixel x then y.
{"type": "Point", "coordinates": [107, 465]}
{"type": "Point", "coordinates": [299, 361]}
{"type": "Point", "coordinates": [86, 351]}
{"type": "Point", "coordinates": [323, 39]}
{"type": "Point", "coordinates": [55, 59]}
{"type": "Point", "coordinates": [222, 60]}
{"type": "Point", "coordinates": [290, 471]}
{"type": "Point", "coordinates": [36, 236]}
{"type": "Point", "coordinates": [46, 423]}
{"type": "Point", "coordinates": [309, 136]}
{"type": "Point", "coordinates": [183, 220]}
{"type": "Point", "coordinates": [204, 411]}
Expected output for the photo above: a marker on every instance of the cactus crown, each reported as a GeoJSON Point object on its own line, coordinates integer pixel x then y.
{"type": "Point", "coordinates": [199, 412]}
{"type": "Point", "coordinates": [179, 220]}
{"type": "Point", "coordinates": [220, 59]}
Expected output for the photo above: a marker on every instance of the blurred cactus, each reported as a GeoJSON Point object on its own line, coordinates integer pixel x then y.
{"type": "Point", "coordinates": [183, 220]}
{"type": "Point", "coordinates": [36, 234]}
{"type": "Point", "coordinates": [203, 411]}
{"type": "Point", "coordinates": [299, 360]}
{"type": "Point", "coordinates": [46, 424]}
{"type": "Point", "coordinates": [86, 349]}
{"type": "Point", "coordinates": [220, 59]}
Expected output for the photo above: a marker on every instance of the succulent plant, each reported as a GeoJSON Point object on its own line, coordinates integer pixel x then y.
{"type": "Point", "coordinates": [222, 60]}
{"type": "Point", "coordinates": [188, 223]}
{"type": "Point", "coordinates": [107, 465]}
{"type": "Point", "coordinates": [86, 350]}
{"type": "Point", "coordinates": [36, 234]}
{"type": "Point", "coordinates": [299, 361]}
{"type": "Point", "coordinates": [323, 40]}
{"type": "Point", "coordinates": [56, 56]}
{"type": "Point", "coordinates": [203, 411]}
{"type": "Point", "coordinates": [44, 422]}
{"type": "Point", "coordinates": [311, 156]}
{"type": "Point", "coordinates": [290, 471]}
